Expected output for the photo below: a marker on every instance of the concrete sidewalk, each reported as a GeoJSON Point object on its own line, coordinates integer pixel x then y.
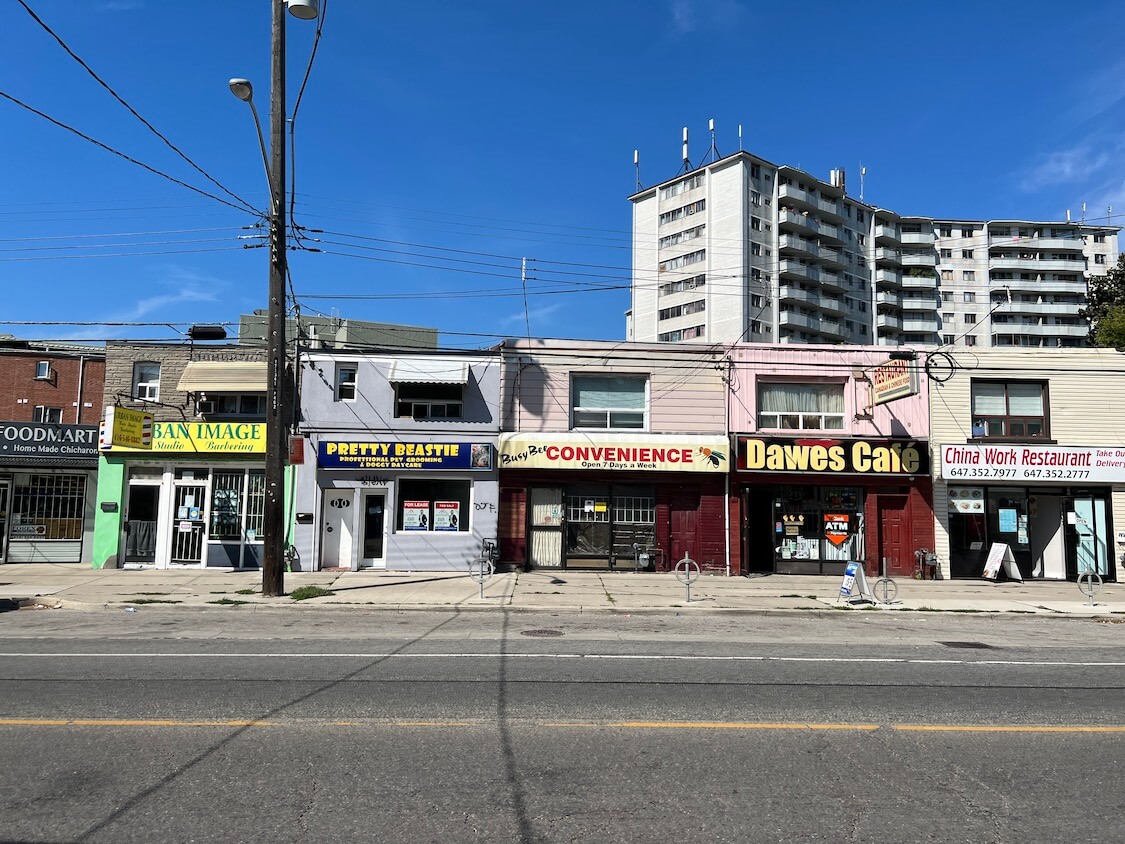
{"type": "Point", "coordinates": [79, 587]}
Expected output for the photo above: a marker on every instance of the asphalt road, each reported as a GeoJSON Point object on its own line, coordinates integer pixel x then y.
{"type": "Point", "coordinates": [220, 725]}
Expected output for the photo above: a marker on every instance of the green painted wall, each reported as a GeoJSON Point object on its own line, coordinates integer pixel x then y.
{"type": "Point", "coordinates": [107, 526]}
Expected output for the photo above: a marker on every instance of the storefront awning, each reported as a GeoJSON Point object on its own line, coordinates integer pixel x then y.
{"type": "Point", "coordinates": [205, 376]}
{"type": "Point", "coordinates": [428, 372]}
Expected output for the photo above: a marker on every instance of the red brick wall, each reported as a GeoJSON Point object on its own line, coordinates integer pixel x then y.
{"type": "Point", "coordinates": [21, 391]}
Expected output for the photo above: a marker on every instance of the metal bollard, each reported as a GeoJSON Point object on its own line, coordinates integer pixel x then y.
{"type": "Point", "coordinates": [481, 570]}
{"type": "Point", "coordinates": [687, 572]}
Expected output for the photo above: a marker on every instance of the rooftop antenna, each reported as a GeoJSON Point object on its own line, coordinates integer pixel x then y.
{"type": "Point", "coordinates": [637, 167]}
{"type": "Point", "coordinates": [862, 173]}
{"type": "Point", "coordinates": [1068, 215]}
{"type": "Point", "coordinates": [714, 148]}
{"type": "Point", "coordinates": [687, 161]}
{"type": "Point", "coordinates": [1083, 212]}
{"type": "Point", "coordinates": [740, 137]}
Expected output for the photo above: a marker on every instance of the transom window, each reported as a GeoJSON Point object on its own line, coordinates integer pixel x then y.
{"type": "Point", "coordinates": [801, 407]}
{"type": "Point", "coordinates": [608, 401]}
{"type": "Point", "coordinates": [429, 401]}
{"type": "Point", "coordinates": [1009, 409]}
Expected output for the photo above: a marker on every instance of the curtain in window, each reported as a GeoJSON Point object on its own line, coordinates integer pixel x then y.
{"type": "Point", "coordinates": [988, 400]}
{"type": "Point", "coordinates": [801, 398]}
{"type": "Point", "coordinates": [597, 392]}
{"type": "Point", "coordinates": [1025, 399]}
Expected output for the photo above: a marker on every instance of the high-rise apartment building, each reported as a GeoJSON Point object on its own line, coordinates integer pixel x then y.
{"type": "Point", "coordinates": [744, 250]}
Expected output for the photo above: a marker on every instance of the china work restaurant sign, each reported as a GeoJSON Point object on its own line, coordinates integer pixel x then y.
{"type": "Point", "coordinates": [1049, 463]}
{"type": "Point", "coordinates": [594, 451]}
{"type": "Point", "coordinates": [832, 456]}
{"type": "Point", "coordinates": [352, 454]}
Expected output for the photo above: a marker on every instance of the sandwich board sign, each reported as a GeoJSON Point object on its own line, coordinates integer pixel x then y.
{"type": "Point", "coordinates": [1000, 556]}
{"type": "Point", "coordinates": [854, 583]}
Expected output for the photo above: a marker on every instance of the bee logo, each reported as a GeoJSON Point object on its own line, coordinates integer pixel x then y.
{"type": "Point", "coordinates": [711, 456]}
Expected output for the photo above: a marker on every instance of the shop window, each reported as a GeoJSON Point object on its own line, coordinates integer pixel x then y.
{"type": "Point", "coordinates": [50, 415]}
{"type": "Point", "coordinates": [237, 498]}
{"type": "Point", "coordinates": [345, 383]}
{"type": "Point", "coordinates": [437, 506]}
{"type": "Point", "coordinates": [146, 381]}
{"type": "Point", "coordinates": [801, 407]}
{"type": "Point", "coordinates": [48, 507]}
{"type": "Point", "coordinates": [429, 401]}
{"type": "Point", "coordinates": [1009, 409]}
{"type": "Point", "coordinates": [608, 401]}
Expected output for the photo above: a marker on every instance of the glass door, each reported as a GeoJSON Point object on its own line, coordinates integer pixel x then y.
{"type": "Point", "coordinates": [374, 524]}
{"type": "Point", "coordinates": [189, 517]}
{"type": "Point", "coordinates": [1087, 535]}
{"type": "Point", "coordinates": [141, 507]}
{"type": "Point", "coordinates": [544, 550]}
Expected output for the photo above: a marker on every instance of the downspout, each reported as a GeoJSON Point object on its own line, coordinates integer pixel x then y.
{"type": "Point", "coordinates": [81, 380]}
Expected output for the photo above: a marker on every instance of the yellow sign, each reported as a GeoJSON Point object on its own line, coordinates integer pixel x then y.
{"type": "Point", "coordinates": [203, 438]}
{"type": "Point", "coordinates": [626, 452]}
{"type": "Point", "coordinates": [125, 427]}
{"type": "Point", "coordinates": [893, 379]}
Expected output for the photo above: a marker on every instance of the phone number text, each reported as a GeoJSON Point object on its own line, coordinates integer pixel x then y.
{"type": "Point", "coordinates": [1013, 472]}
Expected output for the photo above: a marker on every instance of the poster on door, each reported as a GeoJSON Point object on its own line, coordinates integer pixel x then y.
{"type": "Point", "coordinates": [415, 515]}
{"type": "Point", "coordinates": [447, 515]}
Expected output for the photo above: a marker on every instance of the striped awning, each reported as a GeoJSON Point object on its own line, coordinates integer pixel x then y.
{"type": "Point", "coordinates": [205, 376]}
{"type": "Point", "coordinates": [428, 372]}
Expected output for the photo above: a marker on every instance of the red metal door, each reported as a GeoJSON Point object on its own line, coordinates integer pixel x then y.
{"type": "Point", "coordinates": [684, 519]}
{"type": "Point", "coordinates": [894, 536]}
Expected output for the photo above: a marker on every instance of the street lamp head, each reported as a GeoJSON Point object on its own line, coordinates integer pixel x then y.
{"type": "Point", "coordinates": [306, 10]}
{"type": "Point", "coordinates": [242, 89]}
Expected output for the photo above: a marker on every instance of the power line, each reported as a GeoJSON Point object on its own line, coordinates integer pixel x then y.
{"type": "Point", "coordinates": [133, 111]}
{"type": "Point", "coordinates": [128, 158]}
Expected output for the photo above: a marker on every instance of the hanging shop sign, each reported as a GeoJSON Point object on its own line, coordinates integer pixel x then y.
{"type": "Point", "coordinates": [125, 427]}
{"type": "Point", "coordinates": [354, 454]}
{"type": "Point", "coordinates": [614, 452]}
{"type": "Point", "coordinates": [40, 440]}
{"type": "Point", "coordinates": [201, 438]}
{"type": "Point", "coordinates": [832, 456]}
{"type": "Point", "coordinates": [971, 463]}
{"type": "Point", "coordinates": [894, 379]}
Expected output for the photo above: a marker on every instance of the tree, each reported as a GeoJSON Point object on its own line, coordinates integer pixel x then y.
{"type": "Point", "coordinates": [1111, 328]}
{"type": "Point", "coordinates": [1105, 293]}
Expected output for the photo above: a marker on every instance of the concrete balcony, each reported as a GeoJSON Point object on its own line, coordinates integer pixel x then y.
{"type": "Point", "coordinates": [1042, 265]}
{"type": "Point", "coordinates": [887, 235]}
{"type": "Point", "coordinates": [1052, 309]}
{"type": "Point", "coordinates": [920, 325]}
{"type": "Point", "coordinates": [831, 208]}
{"type": "Point", "coordinates": [919, 282]}
{"type": "Point", "coordinates": [810, 298]}
{"type": "Point", "coordinates": [791, 319]}
{"type": "Point", "coordinates": [888, 299]}
{"type": "Point", "coordinates": [832, 280]}
{"type": "Point", "coordinates": [796, 270]}
{"type": "Point", "coordinates": [891, 322]}
{"type": "Point", "coordinates": [923, 304]}
{"type": "Point", "coordinates": [883, 255]}
{"type": "Point", "coordinates": [795, 220]}
{"type": "Point", "coordinates": [1035, 329]}
{"type": "Point", "coordinates": [919, 259]}
{"type": "Point", "coordinates": [1064, 244]}
{"type": "Point", "coordinates": [1042, 286]}
{"type": "Point", "coordinates": [802, 246]}
{"type": "Point", "coordinates": [796, 196]}
{"type": "Point", "coordinates": [918, 238]}
{"type": "Point", "coordinates": [888, 278]}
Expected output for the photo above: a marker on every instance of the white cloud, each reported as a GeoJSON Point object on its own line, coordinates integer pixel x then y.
{"type": "Point", "coordinates": [1076, 166]}
{"type": "Point", "coordinates": [535, 315]}
{"type": "Point", "coordinates": [121, 5]}
{"type": "Point", "coordinates": [694, 15]}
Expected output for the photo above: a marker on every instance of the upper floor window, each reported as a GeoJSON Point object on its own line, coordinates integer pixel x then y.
{"type": "Point", "coordinates": [50, 415]}
{"type": "Point", "coordinates": [429, 401]}
{"type": "Point", "coordinates": [609, 401]}
{"type": "Point", "coordinates": [146, 380]}
{"type": "Point", "coordinates": [43, 370]}
{"type": "Point", "coordinates": [1009, 409]}
{"type": "Point", "coordinates": [234, 404]}
{"type": "Point", "coordinates": [801, 406]}
{"type": "Point", "coordinates": [345, 383]}
{"type": "Point", "coordinates": [1099, 258]}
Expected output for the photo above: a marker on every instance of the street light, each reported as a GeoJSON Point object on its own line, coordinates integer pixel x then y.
{"type": "Point", "coordinates": [274, 527]}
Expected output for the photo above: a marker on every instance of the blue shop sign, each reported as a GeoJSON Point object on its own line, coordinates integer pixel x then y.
{"type": "Point", "coordinates": [355, 454]}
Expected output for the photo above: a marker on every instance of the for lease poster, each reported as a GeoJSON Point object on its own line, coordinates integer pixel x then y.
{"type": "Point", "coordinates": [415, 515]}
{"type": "Point", "coordinates": [447, 515]}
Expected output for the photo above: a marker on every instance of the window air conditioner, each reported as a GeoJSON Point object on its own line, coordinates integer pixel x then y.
{"type": "Point", "coordinates": [205, 407]}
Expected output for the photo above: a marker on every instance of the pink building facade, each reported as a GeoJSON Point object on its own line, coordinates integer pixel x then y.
{"type": "Point", "coordinates": [831, 460]}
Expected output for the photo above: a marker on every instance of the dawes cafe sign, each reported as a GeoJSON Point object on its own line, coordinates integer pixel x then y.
{"type": "Point", "coordinates": [819, 455]}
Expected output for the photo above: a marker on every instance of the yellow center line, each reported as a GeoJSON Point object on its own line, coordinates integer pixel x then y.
{"type": "Point", "coordinates": [125, 722]}
{"type": "Point", "coordinates": [1004, 728]}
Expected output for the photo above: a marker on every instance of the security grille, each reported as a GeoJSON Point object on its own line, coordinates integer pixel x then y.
{"type": "Point", "coordinates": [54, 504]}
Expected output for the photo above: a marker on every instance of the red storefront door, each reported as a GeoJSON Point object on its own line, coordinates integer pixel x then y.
{"type": "Point", "coordinates": [684, 518]}
{"type": "Point", "coordinates": [894, 535]}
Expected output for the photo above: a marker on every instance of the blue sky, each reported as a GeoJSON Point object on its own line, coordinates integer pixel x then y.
{"type": "Point", "coordinates": [442, 141]}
